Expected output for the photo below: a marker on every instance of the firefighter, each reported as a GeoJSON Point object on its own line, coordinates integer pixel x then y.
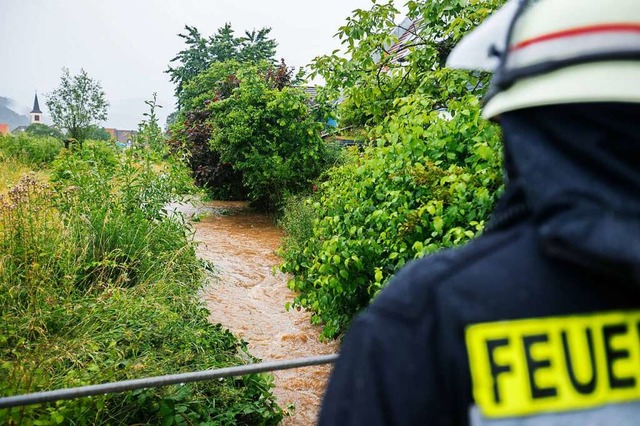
{"type": "Point", "coordinates": [537, 321]}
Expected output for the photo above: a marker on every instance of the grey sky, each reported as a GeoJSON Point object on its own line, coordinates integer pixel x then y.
{"type": "Point", "coordinates": [127, 44]}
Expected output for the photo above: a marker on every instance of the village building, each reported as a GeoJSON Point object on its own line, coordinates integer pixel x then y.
{"type": "Point", "coordinates": [125, 137]}
{"type": "Point", "coordinates": [36, 117]}
{"type": "Point", "coordinates": [36, 114]}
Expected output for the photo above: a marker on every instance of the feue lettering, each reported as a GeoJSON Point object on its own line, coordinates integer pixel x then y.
{"type": "Point", "coordinates": [496, 369]}
{"type": "Point", "coordinates": [533, 365]}
{"type": "Point", "coordinates": [554, 364]}
{"type": "Point", "coordinates": [584, 388]}
{"type": "Point", "coordinates": [613, 355]}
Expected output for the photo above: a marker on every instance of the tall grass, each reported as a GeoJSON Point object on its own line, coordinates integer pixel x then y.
{"type": "Point", "coordinates": [22, 154]}
{"type": "Point", "coordinates": [11, 170]}
{"type": "Point", "coordinates": [98, 284]}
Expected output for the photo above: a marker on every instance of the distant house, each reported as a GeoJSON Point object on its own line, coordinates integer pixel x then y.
{"type": "Point", "coordinates": [4, 129]}
{"type": "Point", "coordinates": [312, 91]}
{"type": "Point", "coordinates": [122, 136]}
{"type": "Point", "coordinates": [19, 129]}
{"type": "Point", "coordinates": [407, 34]}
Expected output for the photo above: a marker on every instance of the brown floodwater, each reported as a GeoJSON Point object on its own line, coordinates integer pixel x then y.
{"type": "Point", "coordinates": [246, 296]}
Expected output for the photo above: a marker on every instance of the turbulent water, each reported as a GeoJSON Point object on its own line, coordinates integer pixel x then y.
{"type": "Point", "coordinates": [248, 298]}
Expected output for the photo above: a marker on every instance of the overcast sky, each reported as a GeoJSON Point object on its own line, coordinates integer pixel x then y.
{"type": "Point", "coordinates": [127, 44]}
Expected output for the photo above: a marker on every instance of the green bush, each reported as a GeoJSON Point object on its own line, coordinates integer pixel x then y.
{"type": "Point", "coordinates": [42, 130]}
{"type": "Point", "coordinates": [250, 133]}
{"type": "Point", "coordinates": [431, 174]}
{"type": "Point", "coordinates": [31, 150]}
{"type": "Point", "coordinates": [270, 136]}
{"type": "Point", "coordinates": [191, 134]}
{"type": "Point", "coordinates": [100, 284]}
{"type": "Point", "coordinates": [426, 183]}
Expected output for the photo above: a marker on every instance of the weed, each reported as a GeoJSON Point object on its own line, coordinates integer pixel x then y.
{"type": "Point", "coordinates": [98, 284]}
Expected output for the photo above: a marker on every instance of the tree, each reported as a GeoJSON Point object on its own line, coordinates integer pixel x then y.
{"type": "Point", "coordinates": [192, 60]}
{"type": "Point", "coordinates": [256, 46]}
{"type": "Point", "coordinates": [149, 131]}
{"type": "Point", "coordinates": [266, 131]}
{"type": "Point", "coordinates": [250, 133]}
{"type": "Point", "coordinates": [78, 103]}
{"type": "Point", "coordinates": [425, 181]}
{"type": "Point", "coordinates": [97, 133]}
{"type": "Point", "coordinates": [370, 75]}
{"type": "Point", "coordinates": [223, 46]}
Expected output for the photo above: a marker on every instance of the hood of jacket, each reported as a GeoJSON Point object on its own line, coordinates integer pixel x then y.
{"type": "Point", "coordinates": [577, 169]}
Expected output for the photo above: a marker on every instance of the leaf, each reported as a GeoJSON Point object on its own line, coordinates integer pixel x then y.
{"type": "Point", "coordinates": [438, 223]}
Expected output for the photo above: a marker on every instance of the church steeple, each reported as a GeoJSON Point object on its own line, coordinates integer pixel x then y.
{"type": "Point", "coordinates": [36, 114]}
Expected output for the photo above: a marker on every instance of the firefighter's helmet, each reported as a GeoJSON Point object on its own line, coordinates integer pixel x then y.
{"type": "Point", "coordinates": [545, 52]}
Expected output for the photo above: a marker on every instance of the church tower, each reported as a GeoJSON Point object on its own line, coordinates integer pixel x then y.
{"type": "Point", "coordinates": [36, 114]}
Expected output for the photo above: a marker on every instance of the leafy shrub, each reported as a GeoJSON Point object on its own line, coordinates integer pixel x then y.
{"type": "Point", "coordinates": [35, 151]}
{"type": "Point", "coordinates": [250, 133]}
{"type": "Point", "coordinates": [270, 136]}
{"type": "Point", "coordinates": [121, 199]}
{"type": "Point", "coordinates": [427, 183]}
{"type": "Point", "coordinates": [191, 134]}
{"type": "Point", "coordinates": [369, 76]}
{"type": "Point", "coordinates": [100, 284]}
{"type": "Point", "coordinates": [42, 130]}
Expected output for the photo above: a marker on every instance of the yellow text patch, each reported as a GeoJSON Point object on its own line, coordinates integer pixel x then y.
{"type": "Point", "coordinates": [531, 366]}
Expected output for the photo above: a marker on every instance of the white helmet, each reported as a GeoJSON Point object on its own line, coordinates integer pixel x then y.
{"type": "Point", "coordinates": [558, 52]}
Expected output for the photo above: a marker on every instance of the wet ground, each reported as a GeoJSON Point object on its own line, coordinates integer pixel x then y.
{"type": "Point", "coordinates": [248, 298]}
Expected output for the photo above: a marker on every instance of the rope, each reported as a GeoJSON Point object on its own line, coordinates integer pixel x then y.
{"type": "Point", "coordinates": [159, 381]}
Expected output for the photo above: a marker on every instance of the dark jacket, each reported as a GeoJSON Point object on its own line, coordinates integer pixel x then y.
{"type": "Point", "coordinates": [543, 309]}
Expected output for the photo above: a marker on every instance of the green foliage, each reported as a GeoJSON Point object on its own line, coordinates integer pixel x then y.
{"type": "Point", "coordinates": [42, 130]}
{"type": "Point", "coordinates": [256, 46]}
{"type": "Point", "coordinates": [191, 135]}
{"type": "Point", "coordinates": [370, 75]}
{"type": "Point", "coordinates": [171, 119]}
{"type": "Point", "coordinates": [269, 135]}
{"type": "Point", "coordinates": [149, 132]}
{"type": "Point", "coordinates": [427, 181]}
{"type": "Point", "coordinates": [78, 103]}
{"type": "Point", "coordinates": [37, 151]}
{"type": "Point", "coordinates": [223, 46]}
{"type": "Point", "coordinates": [100, 284]}
{"type": "Point", "coordinates": [246, 132]}
{"type": "Point", "coordinates": [251, 134]}
{"type": "Point", "coordinates": [213, 84]}
{"type": "Point", "coordinates": [97, 133]}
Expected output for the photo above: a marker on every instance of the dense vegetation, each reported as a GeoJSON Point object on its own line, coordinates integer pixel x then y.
{"type": "Point", "coordinates": [37, 152]}
{"type": "Point", "coordinates": [224, 45]}
{"type": "Point", "coordinates": [99, 283]}
{"type": "Point", "coordinates": [429, 176]}
{"type": "Point", "coordinates": [250, 132]}
{"type": "Point", "coordinates": [262, 139]}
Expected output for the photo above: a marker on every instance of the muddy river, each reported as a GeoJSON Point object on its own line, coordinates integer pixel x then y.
{"type": "Point", "coordinates": [248, 298]}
